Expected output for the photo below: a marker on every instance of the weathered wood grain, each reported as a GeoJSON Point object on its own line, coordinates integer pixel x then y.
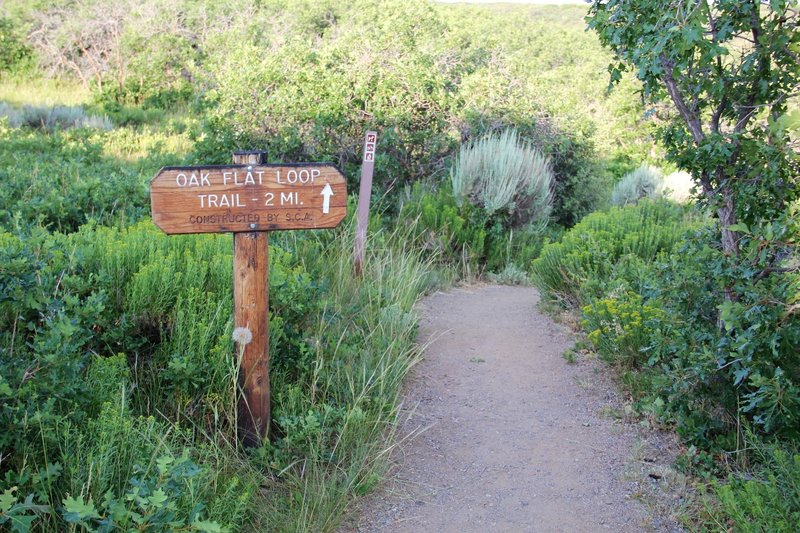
{"type": "Point", "coordinates": [251, 326]}
{"type": "Point", "coordinates": [238, 198]}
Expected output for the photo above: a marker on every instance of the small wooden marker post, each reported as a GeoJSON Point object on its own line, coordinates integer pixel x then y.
{"type": "Point", "coordinates": [364, 194]}
{"type": "Point", "coordinates": [249, 199]}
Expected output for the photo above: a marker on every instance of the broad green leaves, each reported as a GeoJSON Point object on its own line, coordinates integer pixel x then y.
{"type": "Point", "coordinates": [726, 71]}
{"type": "Point", "coordinates": [18, 516]}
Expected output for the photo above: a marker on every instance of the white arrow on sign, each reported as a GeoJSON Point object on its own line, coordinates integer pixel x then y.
{"type": "Point", "coordinates": [327, 192]}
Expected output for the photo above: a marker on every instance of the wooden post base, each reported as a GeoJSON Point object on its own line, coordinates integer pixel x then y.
{"type": "Point", "coordinates": [251, 325]}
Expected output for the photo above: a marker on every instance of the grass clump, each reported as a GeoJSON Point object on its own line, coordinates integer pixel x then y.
{"type": "Point", "coordinates": [53, 118]}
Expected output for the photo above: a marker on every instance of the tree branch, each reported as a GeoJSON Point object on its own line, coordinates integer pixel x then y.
{"type": "Point", "coordinates": [748, 110]}
{"type": "Point", "coordinates": [692, 121]}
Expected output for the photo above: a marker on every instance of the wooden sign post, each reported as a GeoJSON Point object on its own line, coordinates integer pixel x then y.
{"type": "Point", "coordinates": [249, 199]}
{"type": "Point", "coordinates": [364, 194]}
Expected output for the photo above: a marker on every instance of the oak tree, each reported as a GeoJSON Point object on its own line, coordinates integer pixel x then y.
{"type": "Point", "coordinates": [727, 70]}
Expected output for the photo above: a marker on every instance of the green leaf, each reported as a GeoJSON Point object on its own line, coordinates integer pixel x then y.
{"type": "Point", "coordinates": [740, 227]}
{"type": "Point", "coordinates": [76, 510]}
{"type": "Point", "coordinates": [5, 388]}
{"type": "Point", "coordinates": [22, 524]}
{"type": "Point", "coordinates": [730, 314]}
{"type": "Point", "coordinates": [7, 499]}
{"type": "Point", "coordinates": [740, 375]}
{"type": "Point", "coordinates": [53, 471]}
{"type": "Point", "coordinates": [158, 498]}
{"type": "Point", "coordinates": [208, 526]}
{"type": "Point", "coordinates": [787, 122]}
{"type": "Point", "coordinates": [163, 462]}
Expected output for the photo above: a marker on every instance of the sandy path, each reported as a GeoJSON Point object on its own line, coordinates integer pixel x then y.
{"type": "Point", "coordinates": [516, 438]}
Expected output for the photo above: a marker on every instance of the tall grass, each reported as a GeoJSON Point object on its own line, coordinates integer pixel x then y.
{"type": "Point", "coordinates": [348, 449]}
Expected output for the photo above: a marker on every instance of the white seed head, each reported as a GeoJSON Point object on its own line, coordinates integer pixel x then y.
{"type": "Point", "coordinates": [242, 336]}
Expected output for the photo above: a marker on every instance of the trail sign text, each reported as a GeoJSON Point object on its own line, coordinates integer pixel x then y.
{"type": "Point", "coordinates": [239, 198]}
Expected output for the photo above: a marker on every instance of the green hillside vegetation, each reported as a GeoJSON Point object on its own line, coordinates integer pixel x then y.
{"type": "Point", "coordinates": [304, 82]}
{"type": "Point", "coordinates": [117, 375]}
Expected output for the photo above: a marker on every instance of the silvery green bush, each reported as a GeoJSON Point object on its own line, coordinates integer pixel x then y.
{"type": "Point", "coordinates": [504, 173]}
{"type": "Point", "coordinates": [644, 182]}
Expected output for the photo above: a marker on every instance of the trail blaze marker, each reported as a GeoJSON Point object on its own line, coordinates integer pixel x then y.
{"type": "Point", "coordinates": [364, 193]}
{"type": "Point", "coordinates": [249, 198]}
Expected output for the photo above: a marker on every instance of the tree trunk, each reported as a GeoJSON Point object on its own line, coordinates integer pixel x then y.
{"type": "Point", "coordinates": [730, 246]}
{"type": "Point", "coordinates": [727, 218]}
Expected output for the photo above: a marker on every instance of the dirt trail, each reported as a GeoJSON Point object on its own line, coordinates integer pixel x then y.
{"type": "Point", "coordinates": [513, 438]}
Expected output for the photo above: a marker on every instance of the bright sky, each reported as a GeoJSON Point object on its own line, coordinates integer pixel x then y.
{"type": "Point", "coordinates": [513, 1]}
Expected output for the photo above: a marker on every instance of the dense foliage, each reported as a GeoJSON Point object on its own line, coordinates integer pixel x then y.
{"type": "Point", "coordinates": [117, 401]}
{"type": "Point", "coordinates": [729, 69]}
{"type": "Point", "coordinates": [304, 80]}
{"type": "Point", "coordinates": [723, 77]}
{"type": "Point", "coordinates": [118, 382]}
{"type": "Point", "coordinates": [648, 282]}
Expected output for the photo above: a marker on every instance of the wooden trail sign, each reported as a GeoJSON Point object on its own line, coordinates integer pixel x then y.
{"type": "Point", "coordinates": [249, 198]}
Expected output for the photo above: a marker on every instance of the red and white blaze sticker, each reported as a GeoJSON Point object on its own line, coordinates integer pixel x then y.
{"type": "Point", "coordinates": [369, 146]}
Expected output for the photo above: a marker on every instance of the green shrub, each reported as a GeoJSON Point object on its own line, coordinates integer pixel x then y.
{"type": "Point", "coordinates": [450, 232]}
{"type": "Point", "coordinates": [104, 328]}
{"type": "Point", "coordinates": [589, 251]}
{"type": "Point", "coordinates": [650, 287]}
{"type": "Point", "coordinates": [65, 179]}
{"type": "Point", "coordinates": [736, 358]}
{"type": "Point", "coordinates": [16, 56]}
{"type": "Point", "coordinates": [503, 173]}
{"type": "Point", "coordinates": [644, 182]}
{"type": "Point", "coordinates": [768, 502]}
{"type": "Point", "coordinates": [581, 182]}
{"type": "Point", "coordinates": [53, 118]}
{"type": "Point", "coordinates": [620, 327]}
{"type": "Point", "coordinates": [467, 235]}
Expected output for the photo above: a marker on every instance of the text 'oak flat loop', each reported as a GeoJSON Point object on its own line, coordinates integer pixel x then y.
{"type": "Point", "coordinates": [239, 198]}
